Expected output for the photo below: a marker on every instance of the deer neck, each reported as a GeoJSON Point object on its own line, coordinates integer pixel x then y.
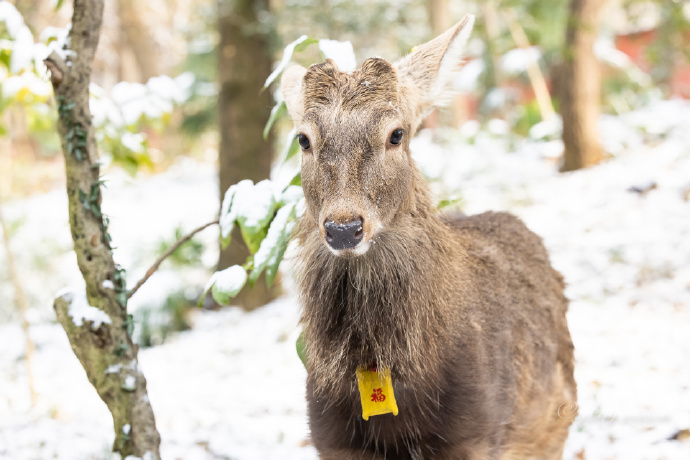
{"type": "Point", "coordinates": [386, 307]}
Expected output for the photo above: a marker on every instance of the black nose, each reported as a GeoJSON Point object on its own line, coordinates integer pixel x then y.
{"type": "Point", "coordinates": [344, 236]}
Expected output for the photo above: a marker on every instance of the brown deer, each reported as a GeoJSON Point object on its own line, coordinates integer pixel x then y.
{"type": "Point", "coordinates": [463, 315]}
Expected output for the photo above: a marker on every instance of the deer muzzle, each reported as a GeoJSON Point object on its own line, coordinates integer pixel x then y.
{"type": "Point", "coordinates": [347, 235]}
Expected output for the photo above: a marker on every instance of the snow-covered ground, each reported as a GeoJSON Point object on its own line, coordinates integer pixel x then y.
{"type": "Point", "coordinates": [233, 387]}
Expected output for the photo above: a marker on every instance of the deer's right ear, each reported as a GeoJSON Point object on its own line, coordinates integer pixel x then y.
{"type": "Point", "coordinates": [291, 87]}
{"type": "Point", "coordinates": [427, 73]}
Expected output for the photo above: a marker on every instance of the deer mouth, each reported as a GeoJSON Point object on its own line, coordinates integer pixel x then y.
{"type": "Point", "coordinates": [350, 253]}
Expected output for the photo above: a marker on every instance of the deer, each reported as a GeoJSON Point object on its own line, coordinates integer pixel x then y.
{"type": "Point", "coordinates": [456, 323]}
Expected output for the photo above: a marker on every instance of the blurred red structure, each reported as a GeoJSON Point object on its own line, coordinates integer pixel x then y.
{"type": "Point", "coordinates": [636, 45]}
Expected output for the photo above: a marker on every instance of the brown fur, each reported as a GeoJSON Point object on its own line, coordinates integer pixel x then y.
{"type": "Point", "coordinates": [466, 312]}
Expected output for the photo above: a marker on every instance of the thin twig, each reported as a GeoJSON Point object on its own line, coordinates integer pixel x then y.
{"type": "Point", "coordinates": [166, 254]}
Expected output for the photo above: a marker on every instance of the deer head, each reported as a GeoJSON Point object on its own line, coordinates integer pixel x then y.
{"type": "Point", "coordinates": [355, 128]}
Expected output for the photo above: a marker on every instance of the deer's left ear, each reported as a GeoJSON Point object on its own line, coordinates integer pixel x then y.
{"type": "Point", "coordinates": [291, 86]}
{"type": "Point", "coordinates": [426, 74]}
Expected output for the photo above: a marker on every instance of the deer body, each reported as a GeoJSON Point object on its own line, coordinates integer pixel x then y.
{"type": "Point", "coordinates": [467, 313]}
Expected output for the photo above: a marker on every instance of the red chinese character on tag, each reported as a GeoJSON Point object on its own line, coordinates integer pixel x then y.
{"type": "Point", "coordinates": [378, 395]}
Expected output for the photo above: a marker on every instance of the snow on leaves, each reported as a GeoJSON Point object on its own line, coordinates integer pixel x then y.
{"type": "Point", "coordinates": [266, 215]}
{"type": "Point", "coordinates": [227, 283]}
{"type": "Point", "coordinates": [341, 52]}
{"type": "Point", "coordinates": [118, 115]}
{"type": "Point", "coordinates": [298, 45]}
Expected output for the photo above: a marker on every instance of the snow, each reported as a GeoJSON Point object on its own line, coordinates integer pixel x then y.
{"type": "Point", "coordinates": [133, 141]}
{"type": "Point", "coordinates": [227, 217]}
{"type": "Point", "coordinates": [280, 226]}
{"type": "Point", "coordinates": [253, 205]}
{"type": "Point", "coordinates": [58, 42]}
{"type": "Point", "coordinates": [26, 81]}
{"type": "Point", "coordinates": [467, 79]}
{"type": "Point", "coordinates": [287, 55]}
{"type": "Point", "coordinates": [518, 60]}
{"type": "Point", "coordinates": [147, 456]}
{"type": "Point", "coordinates": [292, 194]}
{"type": "Point", "coordinates": [27, 55]}
{"type": "Point", "coordinates": [22, 51]}
{"type": "Point", "coordinates": [129, 101]}
{"type": "Point", "coordinates": [11, 17]}
{"type": "Point", "coordinates": [130, 383]}
{"type": "Point", "coordinates": [341, 52]}
{"type": "Point", "coordinates": [80, 310]}
{"type": "Point", "coordinates": [113, 369]}
{"type": "Point", "coordinates": [233, 386]}
{"type": "Point", "coordinates": [228, 282]}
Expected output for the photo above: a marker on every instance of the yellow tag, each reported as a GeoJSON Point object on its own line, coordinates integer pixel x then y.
{"type": "Point", "coordinates": [376, 390]}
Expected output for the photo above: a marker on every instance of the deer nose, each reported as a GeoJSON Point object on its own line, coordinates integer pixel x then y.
{"type": "Point", "coordinates": [344, 236]}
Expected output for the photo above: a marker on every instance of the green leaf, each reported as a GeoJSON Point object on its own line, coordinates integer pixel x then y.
{"type": "Point", "coordinates": [301, 347]}
{"type": "Point", "coordinates": [254, 206]}
{"type": "Point", "coordinates": [449, 203]}
{"type": "Point", "coordinates": [227, 218]}
{"type": "Point", "coordinates": [293, 149]}
{"type": "Point", "coordinates": [273, 246]}
{"type": "Point", "coordinates": [297, 180]}
{"type": "Point", "coordinates": [252, 238]}
{"type": "Point", "coordinates": [121, 349]}
{"type": "Point", "coordinates": [277, 110]}
{"type": "Point", "coordinates": [287, 55]}
{"type": "Point", "coordinates": [305, 44]}
{"type": "Point", "coordinates": [272, 270]}
{"type": "Point", "coordinates": [121, 298]}
{"type": "Point", "coordinates": [129, 325]}
{"type": "Point", "coordinates": [59, 4]}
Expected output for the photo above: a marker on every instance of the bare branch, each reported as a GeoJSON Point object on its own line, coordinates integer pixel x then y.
{"type": "Point", "coordinates": [167, 254]}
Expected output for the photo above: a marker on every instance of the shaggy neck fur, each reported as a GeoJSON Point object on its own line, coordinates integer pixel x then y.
{"type": "Point", "coordinates": [383, 308]}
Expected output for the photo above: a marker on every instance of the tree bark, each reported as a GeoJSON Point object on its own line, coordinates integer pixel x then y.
{"type": "Point", "coordinates": [580, 85]}
{"type": "Point", "coordinates": [104, 347]}
{"type": "Point", "coordinates": [244, 62]}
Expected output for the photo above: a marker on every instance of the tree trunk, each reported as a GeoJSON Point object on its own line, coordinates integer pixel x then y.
{"type": "Point", "coordinates": [96, 321]}
{"type": "Point", "coordinates": [580, 87]}
{"type": "Point", "coordinates": [139, 39]}
{"type": "Point", "coordinates": [244, 62]}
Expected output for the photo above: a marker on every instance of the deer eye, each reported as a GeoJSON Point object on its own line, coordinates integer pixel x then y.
{"type": "Point", "coordinates": [303, 141]}
{"type": "Point", "coordinates": [396, 137]}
